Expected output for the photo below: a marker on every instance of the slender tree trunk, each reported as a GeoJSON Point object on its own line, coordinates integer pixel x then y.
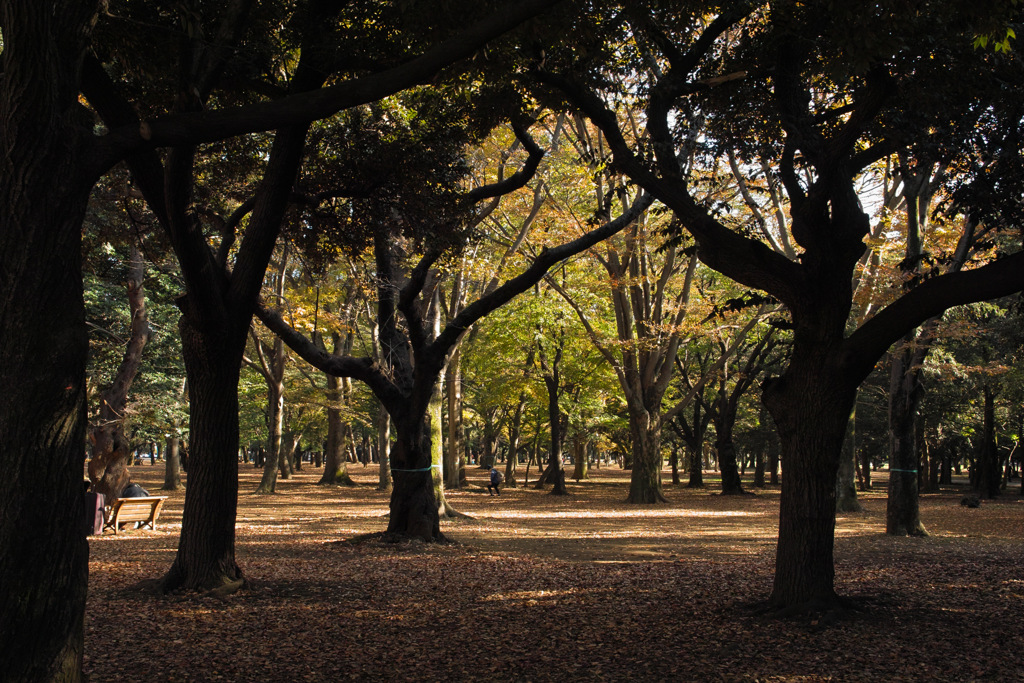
{"type": "Point", "coordinates": [988, 459]}
{"type": "Point", "coordinates": [696, 480]}
{"type": "Point", "coordinates": [335, 467]}
{"type": "Point", "coordinates": [172, 465]}
{"type": "Point", "coordinates": [846, 488]}
{"type": "Point", "coordinates": [579, 456]}
{"type": "Point", "coordinates": [515, 431]}
{"type": "Point", "coordinates": [456, 430]}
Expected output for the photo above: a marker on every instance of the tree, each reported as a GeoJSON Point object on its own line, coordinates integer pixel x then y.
{"type": "Point", "coordinates": [52, 160]}
{"type": "Point", "coordinates": [824, 135]}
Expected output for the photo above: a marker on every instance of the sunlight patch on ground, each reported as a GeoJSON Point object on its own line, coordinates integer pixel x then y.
{"type": "Point", "coordinates": [618, 514]}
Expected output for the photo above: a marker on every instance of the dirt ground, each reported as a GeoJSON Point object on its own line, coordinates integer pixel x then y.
{"type": "Point", "coordinates": [544, 588]}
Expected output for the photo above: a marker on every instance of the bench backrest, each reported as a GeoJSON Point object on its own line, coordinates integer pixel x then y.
{"type": "Point", "coordinates": [136, 509]}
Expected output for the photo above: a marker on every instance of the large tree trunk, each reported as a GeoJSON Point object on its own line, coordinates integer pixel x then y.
{"type": "Point", "coordinates": [811, 407]}
{"type": "Point", "coordinates": [43, 344]}
{"type": "Point", "coordinates": [902, 516]}
{"type": "Point", "coordinates": [108, 468]}
{"type": "Point", "coordinates": [413, 505]}
{"type": "Point", "coordinates": [43, 551]}
{"type": "Point", "coordinates": [206, 550]}
{"type": "Point", "coordinates": [645, 477]}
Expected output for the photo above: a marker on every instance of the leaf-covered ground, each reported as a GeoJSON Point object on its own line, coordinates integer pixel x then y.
{"type": "Point", "coordinates": [540, 588]}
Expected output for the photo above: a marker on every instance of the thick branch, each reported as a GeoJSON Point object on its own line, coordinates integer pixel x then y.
{"type": "Point", "coordinates": [302, 108]}
{"type": "Point", "coordinates": [865, 346]}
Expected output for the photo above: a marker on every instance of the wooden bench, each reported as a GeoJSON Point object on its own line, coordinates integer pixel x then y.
{"type": "Point", "coordinates": [145, 510]}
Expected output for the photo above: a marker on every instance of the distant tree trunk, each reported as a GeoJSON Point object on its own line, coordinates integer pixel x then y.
{"type": "Point", "coordinates": [902, 516]}
{"type": "Point", "coordinates": [108, 468]}
{"type": "Point", "coordinates": [554, 472]}
{"type": "Point", "coordinates": [456, 435]}
{"type": "Point", "coordinates": [514, 434]}
{"type": "Point", "coordinates": [989, 473]}
{"type": "Point", "coordinates": [335, 466]}
{"type": "Point", "coordinates": [759, 459]}
{"type": "Point", "coordinates": [846, 488]}
{"type": "Point", "coordinates": [673, 460]}
{"type": "Point", "coordinates": [579, 456]}
{"type": "Point", "coordinates": [696, 446]}
{"type": "Point", "coordinates": [725, 418]}
{"type": "Point", "coordinates": [172, 465]}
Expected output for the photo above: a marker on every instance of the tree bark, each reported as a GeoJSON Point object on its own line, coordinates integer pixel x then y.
{"type": "Point", "coordinates": [645, 477]}
{"type": "Point", "coordinates": [383, 423]}
{"type": "Point", "coordinates": [810, 406]}
{"type": "Point", "coordinates": [989, 471]}
{"type": "Point", "coordinates": [206, 549]}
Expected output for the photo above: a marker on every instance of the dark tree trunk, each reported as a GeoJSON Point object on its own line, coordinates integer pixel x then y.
{"type": "Point", "coordinates": [172, 465]}
{"type": "Point", "coordinates": [696, 446]}
{"type": "Point", "coordinates": [206, 550]}
{"type": "Point", "coordinates": [43, 550]}
{"type": "Point", "coordinates": [759, 458]}
{"type": "Point", "coordinates": [846, 488]}
{"type": "Point", "coordinates": [902, 517]}
{"type": "Point", "coordinates": [43, 343]}
{"type": "Point", "coordinates": [989, 471]}
{"type": "Point", "coordinates": [515, 431]}
{"type": "Point", "coordinates": [810, 407]}
{"type": "Point", "coordinates": [724, 421]}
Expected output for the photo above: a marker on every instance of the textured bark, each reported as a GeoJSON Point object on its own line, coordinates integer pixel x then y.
{"type": "Point", "coordinates": [43, 342]}
{"type": "Point", "coordinates": [811, 409]}
{"type": "Point", "coordinates": [414, 508]}
{"type": "Point", "coordinates": [335, 467]}
{"type": "Point", "coordinates": [645, 477]}
{"type": "Point", "coordinates": [580, 460]}
{"type": "Point", "coordinates": [206, 549]}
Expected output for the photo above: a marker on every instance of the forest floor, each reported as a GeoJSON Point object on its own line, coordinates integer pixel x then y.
{"type": "Point", "coordinates": [544, 588]}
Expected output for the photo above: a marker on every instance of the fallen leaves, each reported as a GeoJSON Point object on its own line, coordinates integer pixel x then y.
{"type": "Point", "coordinates": [538, 589]}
